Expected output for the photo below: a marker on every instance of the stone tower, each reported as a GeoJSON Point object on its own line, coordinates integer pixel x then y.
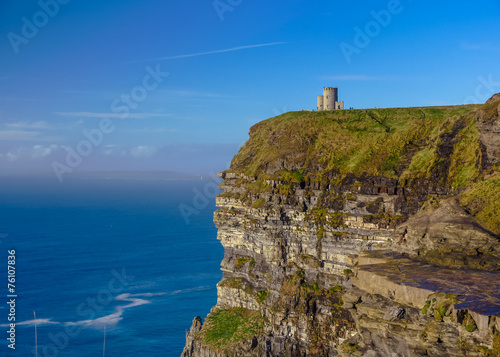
{"type": "Point", "coordinates": [320, 102]}
{"type": "Point", "coordinates": [330, 99]}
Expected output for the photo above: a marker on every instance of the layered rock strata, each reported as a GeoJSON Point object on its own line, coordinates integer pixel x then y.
{"type": "Point", "coordinates": [326, 262]}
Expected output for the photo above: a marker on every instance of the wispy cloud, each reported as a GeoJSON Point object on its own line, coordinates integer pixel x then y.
{"type": "Point", "coordinates": [9, 135]}
{"type": "Point", "coordinates": [27, 135]}
{"type": "Point", "coordinates": [112, 115]}
{"type": "Point", "coordinates": [39, 151]}
{"type": "Point", "coordinates": [356, 77]}
{"type": "Point", "coordinates": [232, 49]}
{"type": "Point", "coordinates": [28, 125]}
{"type": "Point", "coordinates": [35, 152]}
{"type": "Point", "coordinates": [11, 155]}
{"type": "Point", "coordinates": [136, 152]}
{"type": "Point", "coordinates": [143, 151]}
{"type": "Point", "coordinates": [111, 150]}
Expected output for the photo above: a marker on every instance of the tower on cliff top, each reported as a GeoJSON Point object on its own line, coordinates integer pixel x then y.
{"type": "Point", "coordinates": [330, 99]}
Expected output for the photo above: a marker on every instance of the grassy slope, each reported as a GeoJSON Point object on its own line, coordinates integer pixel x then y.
{"type": "Point", "coordinates": [372, 141]}
{"type": "Point", "coordinates": [400, 143]}
{"type": "Point", "coordinates": [225, 328]}
{"type": "Point", "coordinates": [482, 200]}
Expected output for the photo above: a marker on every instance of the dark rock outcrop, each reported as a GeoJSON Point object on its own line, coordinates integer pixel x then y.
{"type": "Point", "coordinates": [488, 124]}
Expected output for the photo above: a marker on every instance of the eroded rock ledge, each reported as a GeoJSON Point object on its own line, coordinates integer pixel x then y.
{"type": "Point", "coordinates": [325, 261]}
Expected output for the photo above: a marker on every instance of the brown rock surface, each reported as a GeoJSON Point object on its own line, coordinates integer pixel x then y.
{"type": "Point", "coordinates": [444, 234]}
{"type": "Point", "coordinates": [488, 123]}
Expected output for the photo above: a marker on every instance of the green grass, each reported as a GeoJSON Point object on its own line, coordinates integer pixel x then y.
{"type": "Point", "coordinates": [285, 189]}
{"type": "Point", "coordinates": [233, 283]}
{"type": "Point", "coordinates": [350, 141]}
{"type": "Point", "coordinates": [420, 163]}
{"type": "Point", "coordinates": [262, 296]}
{"type": "Point", "coordinates": [350, 347]}
{"type": "Point", "coordinates": [292, 176]}
{"type": "Point", "coordinates": [312, 288]}
{"type": "Point", "coordinates": [258, 203]}
{"type": "Point", "coordinates": [482, 201]}
{"type": "Point", "coordinates": [238, 263]}
{"type": "Point", "coordinates": [470, 328]}
{"type": "Point", "coordinates": [336, 288]}
{"type": "Point", "coordinates": [464, 160]}
{"type": "Point", "coordinates": [225, 328]}
{"type": "Point", "coordinates": [258, 186]}
{"type": "Point", "coordinates": [318, 216]}
{"type": "Point", "coordinates": [348, 272]}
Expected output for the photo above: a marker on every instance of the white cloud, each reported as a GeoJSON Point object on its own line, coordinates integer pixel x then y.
{"type": "Point", "coordinates": [18, 134]}
{"type": "Point", "coordinates": [27, 131]}
{"type": "Point", "coordinates": [110, 150]}
{"type": "Point", "coordinates": [34, 152]}
{"type": "Point", "coordinates": [143, 151]}
{"type": "Point", "coordinates": [28, 125]}
{"type": "Point", "coordinates": [27, 135]}
{"type": "Point", "coordinates": [39, 151]}
{"type": "Point", "coordinates": [112, 115]}
{"type": "Point", "coordinates": [12, 155]}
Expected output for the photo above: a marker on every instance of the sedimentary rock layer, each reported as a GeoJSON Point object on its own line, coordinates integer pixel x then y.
{"type": "Point", "coordinates": [328, 255]}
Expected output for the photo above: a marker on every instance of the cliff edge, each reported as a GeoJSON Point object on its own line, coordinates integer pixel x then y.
{"type": "Point", "coordinates": [360, 233]}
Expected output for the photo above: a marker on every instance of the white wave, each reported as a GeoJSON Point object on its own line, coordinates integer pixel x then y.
{"type": "Point", "coordinates": [119, 297]}
{"type": "Point", "coordinates": [190, 290]}
{"type": "Point", "coordinates": [116, 316]}
{"type": "Point", "coordinates": [39, 322]}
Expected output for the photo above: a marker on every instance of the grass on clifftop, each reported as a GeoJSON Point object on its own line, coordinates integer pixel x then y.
{"type": "Point", "coordinates": [371, 141]}
{"type": "Point", "coordinates": [482, 200]}
{"type": "Point", "coordinates": [225, 328]}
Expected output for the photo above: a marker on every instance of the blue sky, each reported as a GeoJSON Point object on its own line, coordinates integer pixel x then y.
{"type": "Point", "coordinates": [73, 67]}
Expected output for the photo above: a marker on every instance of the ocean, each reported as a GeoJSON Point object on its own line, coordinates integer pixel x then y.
{"type": "Point", "coordinates": [113, 266]}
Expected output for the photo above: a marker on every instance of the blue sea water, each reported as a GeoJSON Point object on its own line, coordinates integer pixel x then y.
{"type": "Point", "coordinates": [106, 263]}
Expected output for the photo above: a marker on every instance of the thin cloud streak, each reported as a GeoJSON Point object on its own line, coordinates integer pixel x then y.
{"type": "Point", "coordinates": [26, 135]}
{"type": "Point", "coordinates": [232, 49]}
{"type": "Point", "coordinates": [18, 135]}
{"type": "Point", "coordinates": [29, 125]}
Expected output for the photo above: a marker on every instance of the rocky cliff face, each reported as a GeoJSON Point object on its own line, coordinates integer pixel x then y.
{"type": "Point", "coordinates": [394, 252]}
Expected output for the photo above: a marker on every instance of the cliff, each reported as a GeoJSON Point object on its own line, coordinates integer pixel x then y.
{"type": "Point", "coordinates": [360, 233]}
